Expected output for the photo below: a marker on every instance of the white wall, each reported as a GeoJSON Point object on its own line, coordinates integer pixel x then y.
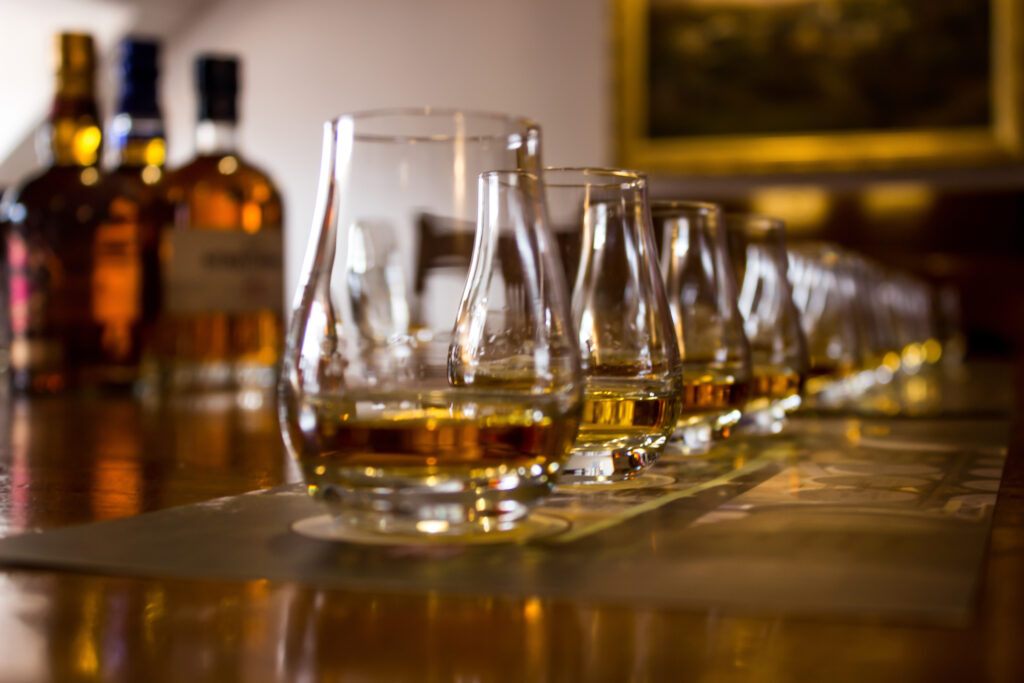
{"type": "Point", "coordinates": [26, 66]}
{"type": "Point", "coordinates": [26, 60]}
{"type": "Point", "coordinates": [308, 60]}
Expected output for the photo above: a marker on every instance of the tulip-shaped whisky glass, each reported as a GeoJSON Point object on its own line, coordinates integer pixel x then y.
{"type": "Point", "coordinates": [628, 350]}
{"type": "Point", "coordinates": [430, 383]}
{"type": "Point", "coordinates": [824, 297]}
{"type": "Point", "coordinates": [778, 350]}
{"type": "Point", "coordinates": [701, 291]}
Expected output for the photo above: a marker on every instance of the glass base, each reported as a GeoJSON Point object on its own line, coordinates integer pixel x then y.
{"type": "Point", "coordinates": [693, 439]}
{"type": "Point", "coordinates": [327, 528]}
{"type": "Point", "coordinates": [696, 435]}
{"type": "Point", "coordinates": [450, 505]}
{"type": "Point", "coordinates": [606, 466]}
{"type": "Point", "coordinates": [644, 480]}
{"type": "Point", "coordinates": [764, 422]}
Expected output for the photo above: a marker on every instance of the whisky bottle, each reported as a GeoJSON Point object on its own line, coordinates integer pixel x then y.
{"type": "Point", "coordinates": [124, 276]}
{"type": "Point", "coordinates": [220, 256]}
{"type": "Point", "coordinates": [49, 220]}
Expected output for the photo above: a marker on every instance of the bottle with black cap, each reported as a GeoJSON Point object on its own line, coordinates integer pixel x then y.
{"type": "Point", "coordinates": [221, 326]}
{"type": "Point", "coordinates": [48, 222]}
{"type": "Point", "coordinates": [124, 279]}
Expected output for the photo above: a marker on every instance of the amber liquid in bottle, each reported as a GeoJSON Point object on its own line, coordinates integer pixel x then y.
{"type": "Point", "coordinates": [221, 258]}
{"type": "Point", "coordinates": [124, 275]}
{"type": "Point", "coordinates": [49, 222]}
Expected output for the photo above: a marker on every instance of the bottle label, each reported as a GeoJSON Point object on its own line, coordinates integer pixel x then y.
{"type": "Point", "coordinates": [30, 282]}
{"type": "Point", "coordinates": [221, 271]}
{"type": "Point", "coordinates": [116, 285]}
{"type": "Point", "coordinates": [116, 274]}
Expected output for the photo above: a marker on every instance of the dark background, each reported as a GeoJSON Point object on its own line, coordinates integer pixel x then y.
{"type": "Point", "coordinates": [808, 66]}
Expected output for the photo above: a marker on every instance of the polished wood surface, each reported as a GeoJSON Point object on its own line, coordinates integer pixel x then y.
{"type": "Point", "coordinates": [68, 461]}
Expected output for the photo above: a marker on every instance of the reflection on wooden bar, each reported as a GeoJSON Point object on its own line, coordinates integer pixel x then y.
{"type": "Point", "coordinates": [823, 489]}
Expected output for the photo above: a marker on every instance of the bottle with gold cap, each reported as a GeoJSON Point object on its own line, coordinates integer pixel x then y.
{"type": "Point", "coordinates": [124, 277]}
{"type": "Point", "coordinates": [49, 222]}
{"type": "Point", "coordinates": [221, 258]}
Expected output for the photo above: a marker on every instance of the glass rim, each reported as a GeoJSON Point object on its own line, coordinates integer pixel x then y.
{"type": "Point", "coordinates": [770, 222]}
{"type": "Point", "coordinates": [427, 112]}
{"type": "Point", "coordinates": [628, 177]}
{"type": "Point", "coordinates": [519, 172]}
{"type": "Point", "coordinates": [685, 204]}
{"type": "Point", "coordinates": [829, 254]}
{"type": "Point", "coordinates": [814, 246]}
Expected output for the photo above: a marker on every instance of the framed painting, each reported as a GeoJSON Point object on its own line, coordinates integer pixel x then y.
{"type": "Point", "coordinates": [748, 86]}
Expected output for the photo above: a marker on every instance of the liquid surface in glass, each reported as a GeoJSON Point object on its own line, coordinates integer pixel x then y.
{"type": "Point", "coordinates": [426, 433]}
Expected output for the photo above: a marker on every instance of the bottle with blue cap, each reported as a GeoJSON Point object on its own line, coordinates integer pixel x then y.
{"type": "Point", "coordinates": [123, 279]}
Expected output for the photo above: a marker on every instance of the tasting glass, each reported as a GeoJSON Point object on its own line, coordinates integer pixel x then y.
{"type": "Point", "coordinates": [918, 335]}
{"type": "Point", "coordinates": [867, 342]}
{"type": "Point", "coordinates": [881, 357]}
{"type": "Point", "coordinates": [778, 350]}
{"type": "Point", "coordinates": [628, 350]}
{"type": "Point", "coordinates": [416, 403]}
{"type": "Point", "coordinates": [701, 289]}
{"type": "Point", "coordinates": [949, 325]}
{"type": "Point", "coordinates": [916, 329]}
{"type": "Point", "coordinates": [823, 296]}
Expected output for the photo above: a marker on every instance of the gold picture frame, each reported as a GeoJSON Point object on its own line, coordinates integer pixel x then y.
{"type": "Point", "coordinates": [1000, 141]}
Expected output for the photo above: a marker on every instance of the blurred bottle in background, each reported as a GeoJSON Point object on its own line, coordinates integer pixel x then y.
{"type": "Point", "coordinates": [124, 275]}
{"type": "Point", "coordinates": [221, 257]}
{"type": "Point", "coordinates": [50, 219]}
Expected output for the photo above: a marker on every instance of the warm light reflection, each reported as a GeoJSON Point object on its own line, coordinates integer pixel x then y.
{"type": "Point", "coordinates": [432, 526]}
{"type": "Point", "coordinates": [151, 175]}
{"type": "Point", "coordinates": [932, 350]}
{"type": "Point", "coordinates": [155, 153]}
{"type": "Point", "coordinates": [891, 360]}
{"type": "Point", "coordinates": [152, 614]}
{"type": "Point", "coordinates": [21, 473]}
{"type": "Point", "coordinates": [459, 167]}
{"type": "Point", "coordinates": [89, 176]}
{"type": "Point", "coordinates": [84, 652]}
{"type": "Point", "coordinates": [794, 480]}
{"type": "Point", "coordinates": [804, 208]}
{"type": "Point", "coordinates": [896, 200]}
{"type": "Point", "coordinates": [252, 217]}
{"type": "Point", "coordinates": [535, 640]}
{"type": "Point", "coordinates": [117, 484]}
{"type": "Point", "coordinates": [853, 433]}
{"type": "Point", "coordinates": [919, 390]}
{"type": "Point", "coordinates": [117, 477]}
{"type": "Point", "coordinates": [912, 357]}
{"type": "Point", "coordinates": [86, 144]}
{"type": "Point", "coordinates": [227, 165]}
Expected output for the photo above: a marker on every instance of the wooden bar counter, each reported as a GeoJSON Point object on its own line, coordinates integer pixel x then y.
{"type": "Point", "coordinates": [71, 461]}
